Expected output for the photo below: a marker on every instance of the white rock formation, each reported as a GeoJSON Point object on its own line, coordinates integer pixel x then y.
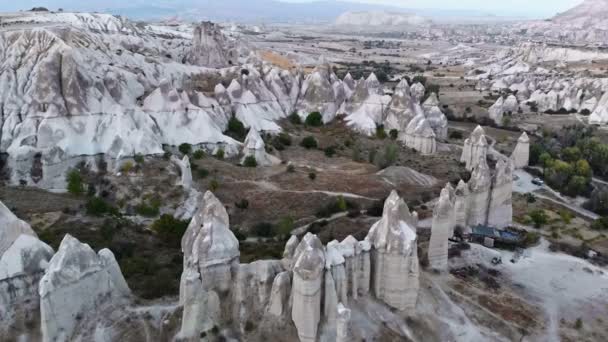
{"type": "Point", "coordinates": [475, 148]}
{"type": "Point", "coordinates": [254, 146]}
{"type": "Point", "coordinates": [279, 295]}
{"type": "Point", "coordinates": [211, 253]}
{"type": "Point", "coordinates": [79, 284]}
{"type": "Point", "coordinates": [185, 171]}
{"type": "Point", "coordinates": [500, 211]}
{"type": "Point", "coordinates": [342, 329]}
{"type": "Point", "coordinates": [420, 136]}
{"type": "Point", "coordinates": [435, 116]}
{"type": "Point", "coordinates": [211, 48]}
{"type": "Point", "coordinates": [395, 269]}
{"type": "Point", "coordinates": [443, 223]}
{"type": "Point", "coordinates": [11, 228]}
{"type": "Point", "coordinates": [521, 153]}
{"type": "Point", "coordinates": [599, 116]}
{"type": "Point", "coordinates": [417, 91]}
{"type": "Point", "coordinates": [23, 260]}
{"type": "Point", "coordinates": [366, 107]}
{"type": "Point", "coordinates": [461, 207]}
{"type": "Point", "coordinates": [308, 270]}
{"type": "Point", "coordinates": [380, 19]}
{"type": "Point", "coordinates": [317, 94]}
{"type": "Point", "coordinates": [497, 110]}
{"type": "Point", "coordinates": [400, 110]}
{"type": "Point", "coordinates": [479, 193]}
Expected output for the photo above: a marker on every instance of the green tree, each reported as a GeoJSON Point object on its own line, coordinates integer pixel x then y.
{"type": "Point", "coordinates": [74, 180]}
{"type": "Point", "coordinates": [250, 161]}
{"type": "Point", "coordinates": [539, 217]}
{"type": "Point", "coordinates": [314, 119]}
{"type": "Point", "coordinates": [545, 159]}
{"type": "Point", "coordinates": [571, 154]}
{"type": "Point", "coordinates": [236, 129]}
{"type": "Point", "coordinates": [185, 148]}
{"type": "Point", "coordinates": [309, 142]}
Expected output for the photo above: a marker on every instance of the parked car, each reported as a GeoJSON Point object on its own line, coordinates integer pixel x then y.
{"type": "Point", "coordinates": [538, 181]}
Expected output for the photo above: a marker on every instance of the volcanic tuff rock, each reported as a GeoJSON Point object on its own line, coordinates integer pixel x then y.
{"type": "Point", "coordinates": [394, 255]}
{"type": "Point", "coordinates": [419, 135]}
{"type": "Point", "coordinates": [317, 94]}
{"type": "Point", "coordinates": [435, 116]}
{"type": "Point", "coordinates": [254, 146]}
{"type": "Point", "coordinates": [475, 148]}
{"type": "Point", "coordinates": [400, 110]}
{"type": "Point", "coordinates": [443, 221]}
{"type": "Point", "coordinates": [23, 259]}
{"type": "Point", "coordinates": [211, 48]}
{"type": "Point", "coordinates": [78, 284]}
{"type": "Point", "coordinates": [521, 153]}
{"type": "Point", "coordinates": [365, 109]}
{"type": "Point", "coordinates": [211, 253]}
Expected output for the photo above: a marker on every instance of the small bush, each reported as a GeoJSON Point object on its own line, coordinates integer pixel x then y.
{"type": "Point", "coordinates": [578, 325]}
{"type": "Point", "coordinates": [285, 226]}
{"type": "Point", "coordinates": [456, 135]}
{"type": "Point", "coordinates": [127, 166]}
{"type": "Point", "coordinates": [219, 154]}
{"type": "Point", "coordinates": [330, 151]}
{"type": "Point", "coordinates": [566, 216]}
{"type": "Point", "coordinates": [539, 217]}
{"type": "Point", "coordinates": [600, 224]}
{"type": "Point", "coordinates": [170, 229]}
{"type": "Point", "coordinates": [263, 229]}
{"type": "Point", "coordinates": [530, 198]}
{"type": "Point", "coordinates": [394, 134]}
{"type": "Point", "coordinates": [185, 148]}
{"type": "Point", "coordinates": [74, 180]}
{"type": "Point", "coordinates": [242, 204]}
{"type": "Point", "coordinates": [139, 158]}
{"type": "Point", "coordinates": [295, 119]}
{"type": "Point", "coordinates": [202, 173]}
{"type": "Point", "coordinates": [291, 168]}
{"type": "Point", "coordinates": [250, 162]}
{"type": "Point", "coordinates": [149, 208]}
{"type": "Point", "coordinates": [314, 119]}
{"type": "Point", "coordinates": [380, 133]}
{"type": "Point", "coordinates": [338, 206]}
{"type": "Point", "coordinates": [312, 176]}
{"type": "Point", "coordinates": [98, 207]}
{"type": "Point", "coordinates": [236, 129]}
{"type": "Point", "coordinates": [585, 112]}
{"type": "Point", "coordinates": [214, 185]}
{"type": "Point", "coordinates": [309, 142]}
{"type": "Point", "coordinates": [198, 154]}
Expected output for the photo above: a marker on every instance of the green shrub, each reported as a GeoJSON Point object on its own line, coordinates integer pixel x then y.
{"type": "Point", "coordinates": [339, 205]}
{"type": "Point", "coordinates": [566, 216]}
{"type": "Point", "coordinates": [185, 148]}
{"type": "Point", "coordinates": [600, 224]}
{"type": "Point", "coordinates": [309, 142]}
{"type": "Point", "coordinates": [394, 134]}
{"type": "Point", "coordinates": [98, 207]}
{"type": "Point", "coordinates": [263, 229]}
{"type": "Point", "coordinates": [387, 158]}
{"type": "Point", "coordinates": [214, 185]}
{"type": "Point", "coordinates": [139, 158]}
{"type": "Point", "coordinates": [242, 204]}
{"type": "Point", "coordinates": [127, 166]}
{"type": "Point", "coordinates": [314, 119]}
{"type": "Point", "coordinates": [530, 198]}
{"type": "Point", "coordinates": [167, 155]}
{"type": "Point", "coordinates": [380, 133]}
{"type": "Point", "coordinates": [456, 135]}
{"type": "Point", "coordinates": [219, 154]}
{"type": "Point", "coordinates": [295, 119]}
{"type": "Point", "coordinates": [202, 173]}
{"type": "Point", "coordinates": [285, 226]}
{"type": "Point", "coordinates": [539, 217]}
{"type": "Point", "coordinates": [236, 129]}
{"type": "Point", "coordinates": [330, 151]}
{"type": "Point", "coordinates": [74, 180]}
{"type": "Point", "coordinates": [170, 229]}
{"type": "Point", "coordinates": [147, 209]}
{"type": "Point", "coordinates": [280, 141]}
{"type": "Point", "coordinates": [312, 175]}
{"type": "Point", "coordinates": [291, 168]}
{"type": "Point", "coordinates": [250, 161]}
{"type": "Point", "coordinates": [578, 325]}
{"type": "Point", "coordinates": [239, 235]}
{"type": "Point", "coordinates": [198, 154]}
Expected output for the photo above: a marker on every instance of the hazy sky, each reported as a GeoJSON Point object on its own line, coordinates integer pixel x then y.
{"type": "Point", "coordinates": [542, 8]}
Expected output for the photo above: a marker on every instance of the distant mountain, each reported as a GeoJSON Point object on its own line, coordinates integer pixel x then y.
{"type": "Point", "coordinates": [589, 14]}
{"type": "Point", "coordinates": [251, 11]}
{"type": "Point", "coordinates": [381, 18]}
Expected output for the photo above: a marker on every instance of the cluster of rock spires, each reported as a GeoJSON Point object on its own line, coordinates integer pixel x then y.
{"type": "Point", "coordinates": [76, 293]}
{"type": "Point", "coordinates": [135, 100]}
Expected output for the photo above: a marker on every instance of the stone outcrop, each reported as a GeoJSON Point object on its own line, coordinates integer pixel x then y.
{"type": "Point", "coordinates": [185, 171]}
{"type": "Point", "coordinates": [211, 253]}
{"type": "Point", "coordinates": [479, 193]}
{"type": "Point", "coordinates": [497, 111]}
{"type": "Point", "coordinates": [435, 116]}
{"type": "Point", "coordinates": [400, 110]}
{"type": "Point", "coordinates": [521, 153]}
{"type": "Point", "coordinates": [366, 107]}
{"type": "Point", "coordinates": [394, 258]}
{"type": "Point", "coordinates": [443, 223]}
{"type": "Point", "coordinates": [78, 284]}
{"type": "Point", "coordinates": [317, 94]}
{"type": "Point", "coordinates": [342, 330]}
{"type": "Point", "coordinates": [23, 260]}
{"type": "Point", "coordinates": [420, 136]}
{"type": "Point", "coordinates": [309, 264]}
{"type": "Point", "coordinates": [211, 48]}
{"type": "Point", "coordinates": [254, 146]}
{"type": "Point", "coordinates": [500, 211]}
{"type": "Point", "coordinates": [475, 148]}
{"type": "Point", "coordinates": [599, 116]}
